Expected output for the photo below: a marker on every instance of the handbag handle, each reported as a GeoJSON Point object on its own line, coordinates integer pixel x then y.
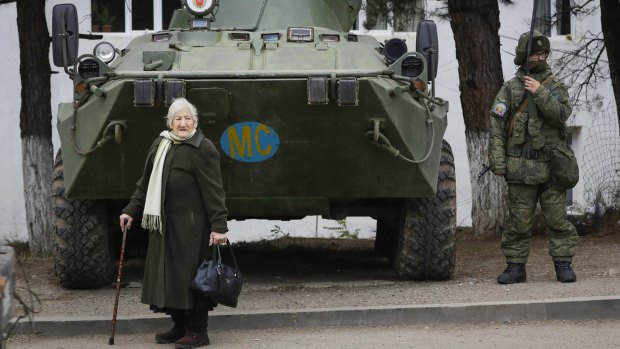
{"type": "Point", "coordinates": [217, 254]}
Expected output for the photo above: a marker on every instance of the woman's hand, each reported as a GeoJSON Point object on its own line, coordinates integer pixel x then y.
{"type": "Point", "coordinates": [126, 221]}
{"type": "Point", "coordinates": [217, 238]}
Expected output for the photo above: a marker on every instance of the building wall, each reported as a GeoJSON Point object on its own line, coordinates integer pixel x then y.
{"type": "Point", "coordinates": [514, 21]}
{"type": "Point", "coordinates": [12, 214]}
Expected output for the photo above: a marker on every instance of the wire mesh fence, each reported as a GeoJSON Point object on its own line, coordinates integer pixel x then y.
{"type": "Point", "coordinates": [600, 163]}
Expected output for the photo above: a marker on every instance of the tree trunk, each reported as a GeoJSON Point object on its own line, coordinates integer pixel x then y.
{"type": "Point", "coordinates": [475, 24]}
{"type": "Point", "coordinates": [36, 121]}
{"type": "Point", "coordinates": [610, 17]}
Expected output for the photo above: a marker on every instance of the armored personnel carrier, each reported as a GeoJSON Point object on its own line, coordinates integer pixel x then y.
{"type": "Point", "coordinates": [310, 119]}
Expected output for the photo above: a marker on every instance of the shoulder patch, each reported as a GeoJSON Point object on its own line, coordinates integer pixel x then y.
{"type": "Point", "coordinates": [499, 109]}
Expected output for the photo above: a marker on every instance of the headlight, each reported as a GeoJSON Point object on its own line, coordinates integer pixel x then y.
{"type": "Point", "coordinates": [88, 68]}
{"type": "Point", "coordinates": [412, 66]}
{"type": "Point", "coordinates": [105, 52]}
{"type": "Point", "coordinates": [394, 49]}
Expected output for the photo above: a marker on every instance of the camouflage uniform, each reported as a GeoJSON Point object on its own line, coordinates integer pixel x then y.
{"type": "Point", "coordinates": [521, 153]}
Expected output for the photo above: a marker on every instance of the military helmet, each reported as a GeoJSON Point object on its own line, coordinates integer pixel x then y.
{"type": "Point", "coordinates": [539, 43]}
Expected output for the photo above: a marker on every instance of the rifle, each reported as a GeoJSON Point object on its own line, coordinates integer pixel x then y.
{"type": "Point", "coordinates": [530, 104]}
{"type": "Point", "coordinates": [531, 107]}
{"type": "Point", "coordinates": [528, 50]}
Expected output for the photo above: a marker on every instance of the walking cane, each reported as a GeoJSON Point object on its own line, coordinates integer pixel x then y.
{"type": "Point", "coordinates": [118, 287]}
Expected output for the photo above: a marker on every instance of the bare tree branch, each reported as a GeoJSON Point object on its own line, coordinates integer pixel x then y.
{"type": "Point", "coordinates": [582, 70]}
{"type": "Point", "coordinates": [441, 12]}
{"type": "Point", "coordinates": [583, 8]}
{"type": "Point", "coordinates": [399, 14]}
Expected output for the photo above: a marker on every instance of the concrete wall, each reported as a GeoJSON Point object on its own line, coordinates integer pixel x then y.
{"type": "Point", "coordinates": [514, 21]}
{"type": "Point", "coordinates": [12, 215]}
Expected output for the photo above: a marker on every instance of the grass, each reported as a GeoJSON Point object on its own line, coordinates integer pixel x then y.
{"type": "Point", "coordinates": [20, 247]}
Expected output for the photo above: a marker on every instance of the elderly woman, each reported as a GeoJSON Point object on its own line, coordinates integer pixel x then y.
{"type": "Point", "coordinates": [181, 200]}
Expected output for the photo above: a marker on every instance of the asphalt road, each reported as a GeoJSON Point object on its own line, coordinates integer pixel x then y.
{"type": "Point", "coordinates": [546, 334]}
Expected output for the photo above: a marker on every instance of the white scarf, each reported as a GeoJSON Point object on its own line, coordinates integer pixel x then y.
{"type": "Point", "coordinates": [151, 219]}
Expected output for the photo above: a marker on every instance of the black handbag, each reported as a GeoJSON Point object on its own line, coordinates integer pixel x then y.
{"type": "Point", "coordinates": [219, 282]}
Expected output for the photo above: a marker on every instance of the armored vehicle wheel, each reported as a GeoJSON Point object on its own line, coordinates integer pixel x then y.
{"type": "Point", "coordinates": [82, 255]}
{"type": "Point", "coordinates": [427, 233]}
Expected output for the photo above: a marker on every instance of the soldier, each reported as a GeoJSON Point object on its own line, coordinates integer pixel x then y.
{"type": "Point", "coordinates": [521, 140]}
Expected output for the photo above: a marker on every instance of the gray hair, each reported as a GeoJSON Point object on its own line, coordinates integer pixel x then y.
{"type": "Point", "coordinates": [180, 104]}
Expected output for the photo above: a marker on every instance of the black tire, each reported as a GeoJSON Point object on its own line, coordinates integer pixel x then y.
{"type": "Point", "coordinates": [427, 237]}
{"type": "Point", "coordinates": [82, 254]}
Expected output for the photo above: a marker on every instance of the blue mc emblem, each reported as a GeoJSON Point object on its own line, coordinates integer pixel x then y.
{"type": "Point", "coordinates": [249, 142]}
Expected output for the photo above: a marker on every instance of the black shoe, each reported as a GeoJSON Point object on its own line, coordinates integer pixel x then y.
{"type": "Point", "coordinates": [192, 340]}
{"type": "Point", "coordinates": [514, 273]}
{"type": "Point", "coordinates": [564, 272]}
{"type": "Point", "coordinates": [173, 335]}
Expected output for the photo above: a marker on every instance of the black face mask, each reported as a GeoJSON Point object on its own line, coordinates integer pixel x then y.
{"type": "Point", "coordinates": [537, 66]}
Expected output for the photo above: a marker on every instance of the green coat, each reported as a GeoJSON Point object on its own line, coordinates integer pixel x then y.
{"type": "Point", "coordinates": [193, 205]}
{"type": "Point", "coordinates": [511, 143]}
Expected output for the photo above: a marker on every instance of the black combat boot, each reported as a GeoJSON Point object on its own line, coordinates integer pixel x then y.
{"type": "Point", "coordinates": [514, 273]}
{"type": "Point", "coordinates": [564, 272]}
{"type": "Point", "coordinates": [173, 335]}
